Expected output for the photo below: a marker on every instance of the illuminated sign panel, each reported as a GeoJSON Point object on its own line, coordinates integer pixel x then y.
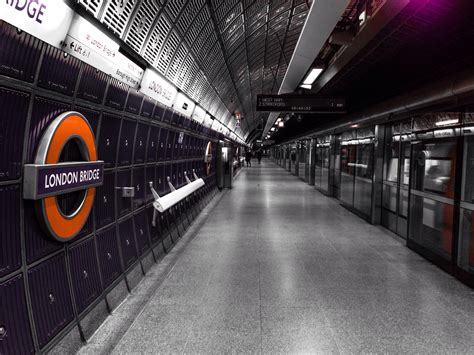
{"type": "Point", "coordinates": [158, 88]}
{"type": "Point", "coordinates": [89, 44]}
{"type": "Point", "coordinates": [184, 105]}
{"type": "Point", "coordinates": [48, 20]}
{"type": "Point", "coordinates": [48, 177]}
{"type": "Point", "coordinates": [284, 103]}
{"type": "Point", "coordinates": [199, 114]}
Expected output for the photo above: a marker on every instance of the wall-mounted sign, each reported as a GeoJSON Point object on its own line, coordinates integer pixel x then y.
{"type": "Point", "coordinates": [89, 44]}
{"type": "Point", "coordinates": [284, 103]}
{"type": "Point", "coordinates": [184, 105]}
{"type": "Point", "coordinates": [208, 120]}
{"type": "Point", "coordinates": [48, 178]}
{"type": "Point", "coordinates": [158, 88]}
{"type": "Point", "coordinates": [89, 35]}
{"type": "Point", "coordinates": [199, 114]}
{"type": "Point", "coordinates": [48, 20]}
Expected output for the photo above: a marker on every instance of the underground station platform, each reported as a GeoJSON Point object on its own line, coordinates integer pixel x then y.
{"type": "Point", "coordinates": [234, 176]}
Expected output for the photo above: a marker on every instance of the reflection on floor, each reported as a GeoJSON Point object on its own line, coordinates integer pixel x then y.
{"type": "Point", "coordinates": [279, 268]}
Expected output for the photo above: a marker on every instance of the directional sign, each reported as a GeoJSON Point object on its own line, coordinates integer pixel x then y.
{"type": "Point", "coordinates": [284, 103]}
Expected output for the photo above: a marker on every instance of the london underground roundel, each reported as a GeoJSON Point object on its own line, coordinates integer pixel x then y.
{"type": "Point", "coordinates": [208, 158]}
{"type": "Point", "coordinates": [50, 177]}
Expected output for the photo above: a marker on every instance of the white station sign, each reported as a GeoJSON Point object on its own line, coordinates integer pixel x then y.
{"type": "Point", "coordinates": [184, 105]}
{"type": "Point", "coordinates": [89, 44]}
{"type": "Point", "coordinates": [158, 88]}
{"type": "Point", "coordinates": [199, 114]}
{"type": "Point", "coordinates": [48, 20]}
{"type": "Point", "coordinates": [208, 120]}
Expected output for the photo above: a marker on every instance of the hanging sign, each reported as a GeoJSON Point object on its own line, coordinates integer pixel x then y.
{"type": "Point", "coordinates": [158, 88]}
{"type": "Point", "coordinates": [284, 103]}
{"type": "Point", "coordinates": [48, 20]}
{"type": "Point", "coordinates": [48, 178]}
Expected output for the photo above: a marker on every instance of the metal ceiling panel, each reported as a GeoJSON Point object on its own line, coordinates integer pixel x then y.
{"type": "Point", "coordinates": [117, 14]}
{"type": "Point", "coordinates": [141, 24]}
{"type": "Point", "coordinates": [221, 53]}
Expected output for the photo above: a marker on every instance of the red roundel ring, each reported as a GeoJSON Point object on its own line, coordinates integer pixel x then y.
{"type": "Point", "coordinates": [208, 163]}
{"type": "Point", "coordinates": [68, 126]}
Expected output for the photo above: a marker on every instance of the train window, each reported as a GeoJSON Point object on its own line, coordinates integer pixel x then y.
{"type": "Point", "coordinates": [392, 154]}
{"type": "Point", "coordinates": [14, 106]}
{"type": "Point", "coordinates": [435, 168]}
{"type": "Point", "coordinates": [365, 160]}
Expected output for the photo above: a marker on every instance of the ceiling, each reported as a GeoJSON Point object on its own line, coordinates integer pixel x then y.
{"type": "Point", "coordinates": [221, 53]}
{"type": "Point", "coordinates": [427, 41]}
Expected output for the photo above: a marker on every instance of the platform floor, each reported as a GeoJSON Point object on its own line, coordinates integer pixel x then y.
{"type": "Point", "coordinates": [279, 268]}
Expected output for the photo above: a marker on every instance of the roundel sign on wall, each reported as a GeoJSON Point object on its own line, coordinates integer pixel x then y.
{"type": "Point", "coordinates": [208, 158]}
{"type": "Point", "coordinates": [50, 178]}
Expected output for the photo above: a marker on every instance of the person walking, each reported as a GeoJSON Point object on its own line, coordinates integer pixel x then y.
{"type": "Point", "coordinates": [248, 157]}
{"type": "Point", "coordinates": [259, 155]}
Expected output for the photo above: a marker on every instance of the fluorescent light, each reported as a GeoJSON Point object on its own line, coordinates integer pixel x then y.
{"type": "Point", "coordinates": [278, 119]}
{"type": "Point", "coordinates": [281, 124]}
{"type": "Point", "coordinates": [447, 122]}
{"type": "Point", "coordinates": [362, 17]}
{"type": "Point", "coordinates": [308, 87]}
{"type": "Point", "coordinates": [354, 126]}
{"type": "Point", "coordinates": [312, 76]}
{"type": "Point", "coordinates": [272, 129]}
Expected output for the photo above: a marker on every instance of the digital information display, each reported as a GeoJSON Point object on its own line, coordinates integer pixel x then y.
{"type": "Point", "coordinates": [283, 103]}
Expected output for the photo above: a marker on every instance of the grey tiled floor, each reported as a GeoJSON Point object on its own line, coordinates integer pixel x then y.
{"type": "Point", "coordinates": [280, 268]}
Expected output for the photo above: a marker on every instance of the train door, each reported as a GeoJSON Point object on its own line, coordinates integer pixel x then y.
{"type": "Point", "coordinates": [336, 187]}
{"type": "Point", "coordinates": [348, 161]}
{"type": "Point", "coordinates": [396, 177]}
{"type": "Point", "coordinates": [465, 257]}
{"type": "Point", "coordinates": [432, 198]}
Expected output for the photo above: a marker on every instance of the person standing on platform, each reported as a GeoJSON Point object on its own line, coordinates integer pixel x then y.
{"type": "Point", "coordinates": [259, 155]}
{"type": "Point", "coordinates": [248, 157]}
